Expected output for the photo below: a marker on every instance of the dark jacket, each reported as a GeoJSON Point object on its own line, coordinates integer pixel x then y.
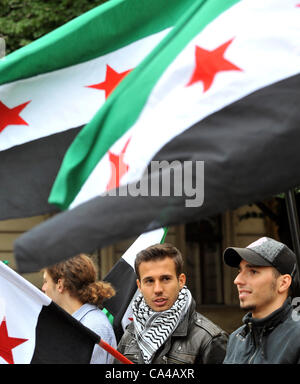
{"type": "Point", "coordinates": [196, 340]}
{"type": "Point", "coordinates": [274, 339]}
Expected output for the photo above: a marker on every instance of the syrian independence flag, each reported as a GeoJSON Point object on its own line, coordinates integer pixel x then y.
{"type": "Point", "coordinates": [123, 278]}
{"type": "Point", "coordinates": [35, 330]}
{"type": "Point", "coordinates": [54, 86]}
{"type": "Point", "coordinates": [217, 100]}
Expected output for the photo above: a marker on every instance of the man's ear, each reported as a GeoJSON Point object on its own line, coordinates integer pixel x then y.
{"type": "Point", "coordinates": [284, 283]}
{"type": "Point", "coordinates": [138, 284]}
{"type": "Point", "coordinates": [182, 280]}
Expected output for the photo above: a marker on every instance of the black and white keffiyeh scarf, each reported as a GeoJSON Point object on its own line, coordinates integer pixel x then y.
{"type": "Point", "coordinates": [152, 329]}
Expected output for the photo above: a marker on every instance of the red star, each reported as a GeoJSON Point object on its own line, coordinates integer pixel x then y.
{"type": "Point", "coordinates": [10, 116]}
{"type": "Point", "coordinates": [8, 343]}
{"type": "Point", "coordinates": [112, 79]}
{"type": "Point", "coordinates": [209, 63]}
{"type": "Point", "coordinates": [118, 167]}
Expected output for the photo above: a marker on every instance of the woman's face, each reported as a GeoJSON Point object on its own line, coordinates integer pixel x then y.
{"type": "Point", "coordinates": [50, 288]}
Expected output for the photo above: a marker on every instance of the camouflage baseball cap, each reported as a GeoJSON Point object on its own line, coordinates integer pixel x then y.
{"type": "Point", "coordinates": [263, 252]}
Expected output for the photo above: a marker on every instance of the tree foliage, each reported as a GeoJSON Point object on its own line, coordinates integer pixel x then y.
{"type": "Point", "coordinates": [22, 21]}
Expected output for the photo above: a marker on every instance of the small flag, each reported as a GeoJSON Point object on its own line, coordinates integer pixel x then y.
{"type": "Point", "coordinates": [33, 329]}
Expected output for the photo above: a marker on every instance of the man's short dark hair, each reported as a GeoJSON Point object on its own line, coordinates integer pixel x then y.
{"type": "Point", "coordinates": [159, 252]}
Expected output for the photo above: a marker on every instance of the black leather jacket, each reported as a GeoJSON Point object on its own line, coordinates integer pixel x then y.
{"type": "Point", "coordinates": [196, 340]}
{"type": "Point", "coordinates": [274, 339]}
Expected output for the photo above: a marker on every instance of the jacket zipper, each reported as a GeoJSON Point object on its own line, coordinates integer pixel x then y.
{"type": "Point", "coordinates": [257, 346]}
{"type": "Point", "coordinates": [256, 350]}
{"type": "Point", "coordinates": [252, 357]}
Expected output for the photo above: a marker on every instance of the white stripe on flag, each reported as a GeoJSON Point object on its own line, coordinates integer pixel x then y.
{"type": "Point", "coordinates": [2, 309]}
{"type": "Point", "coordinates": [142, 242]}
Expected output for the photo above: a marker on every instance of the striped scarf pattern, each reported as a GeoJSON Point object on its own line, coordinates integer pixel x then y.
{"type": "Point", "coordinates": [152, 329]}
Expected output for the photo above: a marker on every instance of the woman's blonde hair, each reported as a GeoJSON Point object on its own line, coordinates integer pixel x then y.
{"type": "Point", "coordinates": [79, 279]}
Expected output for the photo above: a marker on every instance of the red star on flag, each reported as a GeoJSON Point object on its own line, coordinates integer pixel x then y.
{"type": "Point", "coordinates": [118, 167]}
{"type": "Point", "coordinates": [10, 116]}
{"type": "Point", "coordinates": [209, 63]}
{"type": "Point", "coordinates": [7, 343]}
{"type": "Point", "coordinates": [112, 79]}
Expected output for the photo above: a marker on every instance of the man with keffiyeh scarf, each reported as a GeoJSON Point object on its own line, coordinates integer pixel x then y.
{"type": "Point", "coordinates": [166, 329]}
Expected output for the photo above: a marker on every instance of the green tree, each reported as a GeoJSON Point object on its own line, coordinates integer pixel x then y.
{"type": "Point", "coordinates": [21, 22]}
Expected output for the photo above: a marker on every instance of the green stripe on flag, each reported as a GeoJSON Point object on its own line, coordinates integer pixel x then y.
{"type": "Point", "coordinates": [164, 235]}
{"type": "Point", "coordinates": [108, 315]}
{"type": "Point", "coordinates": [125, 104]}
{"type": "Point", "coordinates": [104, 29]}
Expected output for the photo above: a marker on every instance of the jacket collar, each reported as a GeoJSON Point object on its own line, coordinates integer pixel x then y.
{"type": "Point", "coordinates": [270, 321]}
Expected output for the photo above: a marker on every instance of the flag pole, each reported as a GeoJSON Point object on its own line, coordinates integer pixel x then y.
{"type": "Point", "coordinates": [108, 348]}
{"type": "Point", "coordinates": [291, 207]}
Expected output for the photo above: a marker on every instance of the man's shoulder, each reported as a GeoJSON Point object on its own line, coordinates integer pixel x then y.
{"type": "Point", "coordinates": [209, 326]}
{"type": "Point", "coordinates": [130, 327]}
{"type": "Point", "coordinates": [291, 326]}
{"type": "Point", "coordinates": [238, 334]}
{"type": "Point", "coordinates": [128, 333]}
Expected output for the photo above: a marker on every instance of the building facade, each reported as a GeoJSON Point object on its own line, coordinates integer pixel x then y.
{"type": "Point", "coordinates": [202, 244]}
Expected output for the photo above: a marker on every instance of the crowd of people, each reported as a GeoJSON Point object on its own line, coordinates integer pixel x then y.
{"type": "Point", "coordinates": [167, 329]}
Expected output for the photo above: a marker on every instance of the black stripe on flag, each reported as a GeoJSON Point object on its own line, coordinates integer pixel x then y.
{"type": "Point", "coordinates": [27, 174]}
{"type": "Point", "coordinates": [121, 275]}
{"type": "Point", "coordinates": [61, 339]}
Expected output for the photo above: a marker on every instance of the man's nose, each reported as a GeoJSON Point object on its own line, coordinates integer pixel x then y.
{"type": "Point", "coordinates": [157, 287]}
{"type": "Point", "coordinates": [239, 280]}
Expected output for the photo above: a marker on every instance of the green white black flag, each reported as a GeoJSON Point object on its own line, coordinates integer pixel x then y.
{"type": "Point", "coordinates": [215, 91]}
{"type": "Point", "coordinates": [54, 86]}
